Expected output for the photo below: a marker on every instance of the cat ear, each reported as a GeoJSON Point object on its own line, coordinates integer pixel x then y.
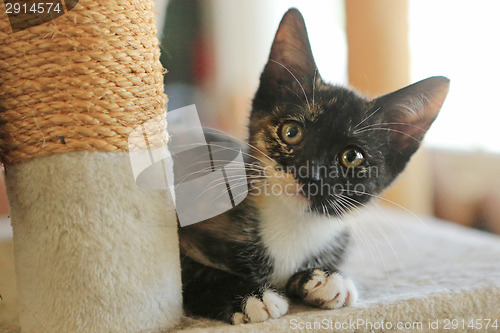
{"type": "Point", "coordinates": [291, 58]}
{"type": "Point", "coordinates": [408, 113]}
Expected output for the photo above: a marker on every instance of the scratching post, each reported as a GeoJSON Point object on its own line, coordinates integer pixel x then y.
{"type": "Point", "coordinates": [94, 252]}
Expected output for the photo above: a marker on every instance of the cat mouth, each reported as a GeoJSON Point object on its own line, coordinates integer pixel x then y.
{"type": "Point", "coordinates": [315, 190]}
{"type": "Point", "coordinates": [311, 196]}
{"type": "Point", "coordinates": [302, 198]}
{"type": "Point", "coordinates": [290, 192]}
{"type": "Point", "coordinates": [322, 200]}
{"type": "Point", "coordinates": [330, 208]}
{"type": "Point", "coordinates": [295, 192]}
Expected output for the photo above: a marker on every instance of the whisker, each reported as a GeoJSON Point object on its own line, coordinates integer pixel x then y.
{"type": "Point", "coordinates": [380, 214]}
{"type": "Point", "coordinates": [209, 169]}
{"type": "Point", "coordinates": [390, 130]}
{"type": "Point", "coordinates": [362, 121]}
{"type": "Point", "coordinates": [325, 210]}
{"type": "Point", "coordinates": [247, 193]}
{"type": "Point", "coordinates": [232, 149]}
{"type": "Point", "coordinates": [234, 186]}
{"type": "Point", "coordinates": [232, 178]}
{"type": "Point", "coordinates": [314, 84]}
{"type": "Point", "coordinates": [238, 139]}
{"type": "Point", "coordinates": [391, 202]}
{"type": "Point", "coordinates": [293, 92]}
{"type": "Point", "coordinates": [218, 184]}
{"type": "Point", "coordinates": [379, 228]}
{"type": "Point", "coordinates": [381, 256]}
{"type": "Point", "coordinates": [301, 87]}
{"type": "Point", "coordinates": [293, 104]}
{"type": "Point", "coordinates": [332, 204]}
{"type": "Point", "coordinates": [393, 123]}
{"type": "Point", "coordinates": [335, 208]}
{"type": "Point", "coordinates": [246, 165]}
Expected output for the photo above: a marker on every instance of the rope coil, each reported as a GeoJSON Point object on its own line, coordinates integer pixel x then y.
{"type": "Point", "coordinates": [83, 81]}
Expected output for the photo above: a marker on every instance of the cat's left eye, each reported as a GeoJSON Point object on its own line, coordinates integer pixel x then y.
{"type": "Point", "coordinates": [292, 133]}
{"type": "Point", "coordinates": [352, 157]}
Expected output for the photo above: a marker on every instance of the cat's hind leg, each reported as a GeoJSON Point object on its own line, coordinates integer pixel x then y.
{"type": "Point", "coordinates": [216, 294]}
{"type": "Point", "coordinates": [321, 288]}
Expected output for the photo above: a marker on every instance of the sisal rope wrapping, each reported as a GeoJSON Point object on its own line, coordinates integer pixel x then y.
{"type": "Point", "coordinates": [83, 81]}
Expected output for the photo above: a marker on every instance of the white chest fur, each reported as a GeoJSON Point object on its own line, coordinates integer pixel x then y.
{"type": "Point", "coordinates": [292, 236]}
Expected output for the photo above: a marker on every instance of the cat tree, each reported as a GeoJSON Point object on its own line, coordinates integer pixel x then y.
{"type": "Point", "coordinates": [93, 251]}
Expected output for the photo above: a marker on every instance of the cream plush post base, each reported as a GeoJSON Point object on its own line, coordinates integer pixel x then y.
{"type": "Point", "coordinates": [406, 271]}
{"type": "Point", "coordinates": [94, 252]}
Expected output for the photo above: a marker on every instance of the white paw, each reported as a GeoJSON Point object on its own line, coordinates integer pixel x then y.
{"type": "Point", "coordinates": [330, 292]}
{"type": "Point", "coordinates": [272, 305]}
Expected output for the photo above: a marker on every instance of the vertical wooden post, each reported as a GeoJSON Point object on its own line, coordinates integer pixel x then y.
{"type": "Point", "coordinates": [379, 62]}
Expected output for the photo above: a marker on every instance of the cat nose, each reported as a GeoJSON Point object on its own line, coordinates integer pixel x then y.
{"type": "Point", "coordinates": [311, 187]}
{"type": "Point", "coordinates": [311, 173]}
{"type": "Point", "coordinates": [316, 174]}
{"type": "Point", "coordinates": [312, 178]}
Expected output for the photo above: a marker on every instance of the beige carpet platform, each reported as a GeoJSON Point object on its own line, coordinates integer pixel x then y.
{"type": "Point", "coordinates": [415, 273]}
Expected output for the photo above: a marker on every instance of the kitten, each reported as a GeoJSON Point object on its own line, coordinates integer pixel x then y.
{"type": "Point", "coordinates": [329, 150]}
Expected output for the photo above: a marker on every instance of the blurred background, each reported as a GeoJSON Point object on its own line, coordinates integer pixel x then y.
{"type": "Point", "coordinates": [215, 51]}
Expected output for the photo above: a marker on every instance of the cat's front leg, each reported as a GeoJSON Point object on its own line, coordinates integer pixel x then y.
{"type": "Point", "coordinates": [212, 293]}
{"type": "Point", "coordinates": [261, 306]}
{"type": "Point", "coordinates": [321, 288]}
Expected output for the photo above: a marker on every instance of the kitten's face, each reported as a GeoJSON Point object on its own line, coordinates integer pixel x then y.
{"type": "Point", "coordinates": [329, 149]}
{"type": "Point", "coordinates": [325, 148]}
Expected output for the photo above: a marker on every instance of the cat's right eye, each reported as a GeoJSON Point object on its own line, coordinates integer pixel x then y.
{"type": "Point", "coordinates": [352, 157]}
{"type": "Point", "coordinates": [292, 133]}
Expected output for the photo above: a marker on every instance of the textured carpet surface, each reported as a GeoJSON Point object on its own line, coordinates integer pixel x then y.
{"type": "Point", "coordinates": [421, 274]}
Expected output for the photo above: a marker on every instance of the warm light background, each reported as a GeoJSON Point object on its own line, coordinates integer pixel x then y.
{"type": "Point", "coordinates": [215, 51]}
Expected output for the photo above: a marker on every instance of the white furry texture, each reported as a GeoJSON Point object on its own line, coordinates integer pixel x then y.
{"type": "Point", "coordinates": [94, 252]}
{"type": "Point", "coordinates": [272, 306]}
{"type": "Point", "coordinates": [276, 304]}
{"type": "Point", "coordinates": [330, 292]}
{"type": "Point", "coordinates": [255, 310]}
{"type": "Point", "coordinates": [292, 237]}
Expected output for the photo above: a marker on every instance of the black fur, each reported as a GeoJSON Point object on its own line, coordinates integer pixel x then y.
{"type": "Point", "coordinates": [224, 259]}
{"type": "Point", "coordinates": [210, 292]}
